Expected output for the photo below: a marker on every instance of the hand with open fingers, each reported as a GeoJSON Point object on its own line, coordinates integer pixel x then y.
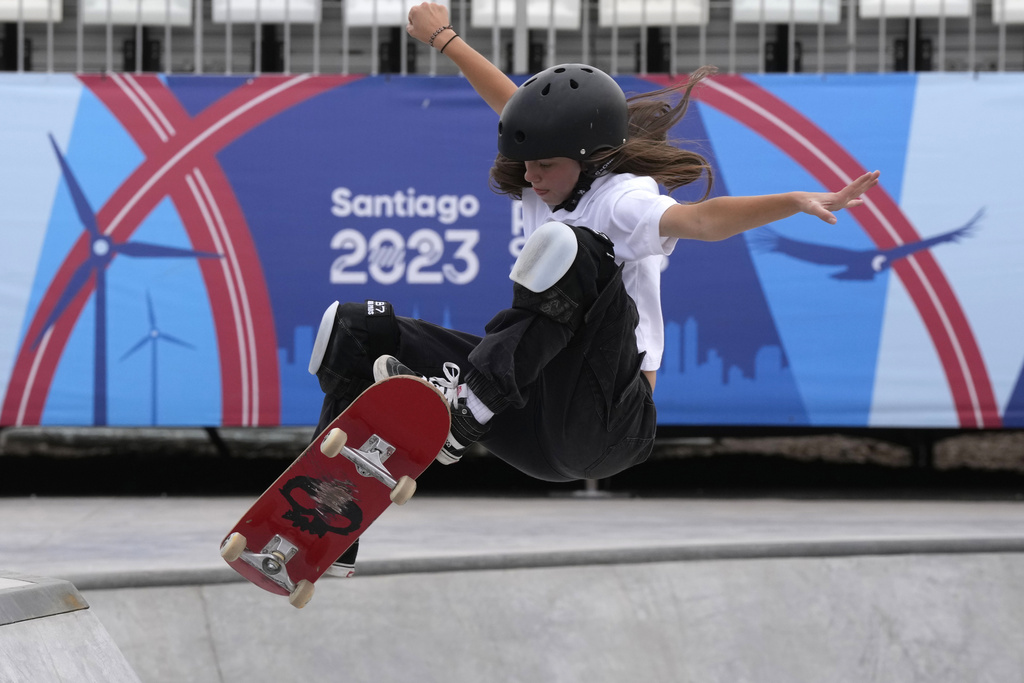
{"type": "Point", "coordinates": [824, 204]}
{"type": "Point", "coordinates": [424, 19]}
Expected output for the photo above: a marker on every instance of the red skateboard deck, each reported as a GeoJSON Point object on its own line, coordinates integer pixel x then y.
{"type": "Point", "coordinates": [321, 504]}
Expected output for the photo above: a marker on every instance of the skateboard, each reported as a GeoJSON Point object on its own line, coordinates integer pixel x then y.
{"type": "Point", "coordinates": [366, 459]}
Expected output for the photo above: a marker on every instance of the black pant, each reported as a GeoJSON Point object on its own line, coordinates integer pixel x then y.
{"type": "Point", "coordinates": [560, 370]}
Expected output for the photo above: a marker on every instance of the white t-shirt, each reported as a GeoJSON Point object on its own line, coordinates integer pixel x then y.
{"type": "Point", "coordinates": [627, 208]}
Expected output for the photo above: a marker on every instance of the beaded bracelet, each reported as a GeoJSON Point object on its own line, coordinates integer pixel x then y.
{"type": "Point", "coordinates": [438, 32]}
{"type": "Point", "coordinates": [449, 41]}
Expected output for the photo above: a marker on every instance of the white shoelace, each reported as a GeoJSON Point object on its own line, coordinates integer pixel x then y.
{"type": "Point", "coordinates": [449, 384]}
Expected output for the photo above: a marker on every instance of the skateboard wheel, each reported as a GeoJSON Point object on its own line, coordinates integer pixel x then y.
{"type": "Point", "coordinates": [232, 547]}
{"type": "Point", "coordinates": [333, 442]}
{"type": "Point", "coordinates": [302, 594]}
{"type": "Point", "coordinates": [403, 491]}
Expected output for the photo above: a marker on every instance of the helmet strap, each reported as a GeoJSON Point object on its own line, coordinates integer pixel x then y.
{"type": "Point", "coordinates": [582, 185]}
{"type": "Point", "coordinates": [588, 174]}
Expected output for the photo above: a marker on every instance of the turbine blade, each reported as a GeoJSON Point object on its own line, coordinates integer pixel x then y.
{"type": "Point", "coordinates": [152, 313]}
{"type": "Point", "coordinates": [157, 250]}
{"type": "Point", "coordinates": [85, 212]}
{"type": "Point", "coordinates": [175, 340]}
{"type": "Point", "coordinates": [142, 342]}
{"type": "Point", "coordinates": [75, 284]}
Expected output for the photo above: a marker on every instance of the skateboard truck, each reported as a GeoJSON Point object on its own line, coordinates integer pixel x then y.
{"type": "Point", "coordinates": [369, 461]}
{"type": "Point", "coordinates": [271, 560]}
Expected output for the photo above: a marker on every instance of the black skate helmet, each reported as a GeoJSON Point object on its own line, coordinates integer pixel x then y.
{"type": "Point", "coordinates": [569, 110]}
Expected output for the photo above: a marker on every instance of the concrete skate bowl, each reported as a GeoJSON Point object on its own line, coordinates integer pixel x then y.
{"type": "Point", "coordinates": [861, 612]}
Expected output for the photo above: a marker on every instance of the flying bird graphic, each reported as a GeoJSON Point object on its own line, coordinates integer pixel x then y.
{"type": "Point", "coordinates": [863, 264]}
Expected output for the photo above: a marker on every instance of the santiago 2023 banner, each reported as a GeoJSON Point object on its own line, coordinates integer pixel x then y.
{"type": "Point", "coordinates": [169, 244]}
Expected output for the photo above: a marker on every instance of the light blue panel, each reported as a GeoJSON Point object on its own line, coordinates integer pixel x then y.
{"type": "Point", "coordinates": [70, 399]}
{"type": "Point", "coordinates": [964, 157]}
{"type": "Point", "coordinates": [31, 107]}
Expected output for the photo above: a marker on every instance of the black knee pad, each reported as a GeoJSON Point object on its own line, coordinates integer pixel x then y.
{"type": "Point", "coordinates": [568, 300]}
{"type": "Point", "coordinates": [361, 334]}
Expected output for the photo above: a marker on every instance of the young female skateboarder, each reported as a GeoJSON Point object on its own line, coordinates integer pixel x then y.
{"type": "Point", "coordinates": [561, 384]}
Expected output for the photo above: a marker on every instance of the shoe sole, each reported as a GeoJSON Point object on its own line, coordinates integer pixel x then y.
{"type": "Point", "coordinates": [380, 372]}
{"type": "Point", "coordinates": [380, 369]}
{"type": "Point", "coordinates": [341, 571]}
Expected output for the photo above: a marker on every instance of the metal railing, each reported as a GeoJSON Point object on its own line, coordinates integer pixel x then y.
{"type": "Point", "coordinates": [620, 36]}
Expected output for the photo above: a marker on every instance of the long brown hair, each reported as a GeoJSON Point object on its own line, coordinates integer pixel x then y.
{"type": "Point", "coordinates": [647, 150]}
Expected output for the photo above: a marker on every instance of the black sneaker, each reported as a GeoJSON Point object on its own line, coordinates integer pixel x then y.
{"type": "Point", "coordinates": [389, 366]}
{"type": "Point", "coordinates": [345, 566]}
{"type": "Point", "coordinates": [465, 430]}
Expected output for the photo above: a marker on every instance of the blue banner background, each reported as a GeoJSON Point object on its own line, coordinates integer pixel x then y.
{"type": "Point", "coordinates": [378, 188]}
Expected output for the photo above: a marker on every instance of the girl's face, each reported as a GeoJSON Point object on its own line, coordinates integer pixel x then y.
{"type": "Point", "coordinates": [553, 179]}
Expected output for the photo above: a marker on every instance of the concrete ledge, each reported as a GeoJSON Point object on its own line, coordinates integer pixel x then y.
{"type": "Point", "coordinates": [48, 634]}
{"type": "Point", "coordinates": [25, 597]}
{"type": "Point", "coordinates": [695, 553]}
{"type": "Point", "coordinates": [866, 547]}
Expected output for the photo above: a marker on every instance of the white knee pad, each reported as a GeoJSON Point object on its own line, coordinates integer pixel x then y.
{"type": "Point", "coordinates": [546, 257]}
{"type": "Point", "coordinates": [323, 335]}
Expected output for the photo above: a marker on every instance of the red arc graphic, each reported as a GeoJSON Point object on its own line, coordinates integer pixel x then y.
{"type": "Point", "coordinates": [180, 163]}
{"type": "Point", "coordinates": [883, 221]}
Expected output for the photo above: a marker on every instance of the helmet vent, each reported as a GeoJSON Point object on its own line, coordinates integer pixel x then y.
{"type": "Point", "coordinates": [573, 84]}
{"type": "Point", "coordinates": [546, 90]}
{"type": "Point", "coordinates": [520, 136]}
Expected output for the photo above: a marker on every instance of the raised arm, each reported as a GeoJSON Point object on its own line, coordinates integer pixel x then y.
{"type": "Point", "coordinates": [722, 217]}
{"type": "Point", "coordinates": [488, 80]}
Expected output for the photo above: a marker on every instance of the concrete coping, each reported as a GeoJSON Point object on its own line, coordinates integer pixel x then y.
{"type": "Point", "coordinates": [24, 597]}
{"type": "Point", "coordinates": [852, 547]}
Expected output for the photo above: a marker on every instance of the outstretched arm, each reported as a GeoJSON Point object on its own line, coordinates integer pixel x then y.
{"type": "Point", "coordinates": [722, 217]}
{"type": "Point", "coordinates": [488, 80]}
